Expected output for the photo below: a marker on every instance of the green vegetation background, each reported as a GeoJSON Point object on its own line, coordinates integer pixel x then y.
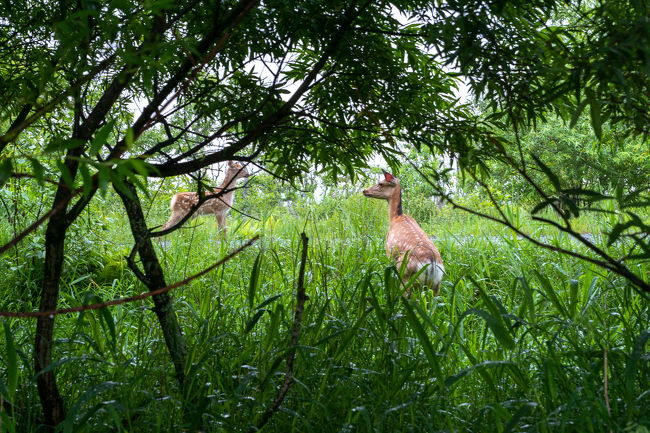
{"type": "Point", "coordinates": [520, 339]}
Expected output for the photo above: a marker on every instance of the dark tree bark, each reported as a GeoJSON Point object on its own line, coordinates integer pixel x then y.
{"type": "Point", "coordinates": [48, 392]}
{"type": "Point", "coordinates": [53, 410]}
{"type": "Point", "coordinates": [154, 278]}
{"type": "Point", "coordinates": [51, 401]}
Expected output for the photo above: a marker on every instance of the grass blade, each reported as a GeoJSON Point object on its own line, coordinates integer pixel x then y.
{"type": "Point", "coordinates": [12, 363]}
{"type": "Point", "coordinates": [253, 321]}
{"type": "Point", "coordinates": [497, 326]}
{"type": "Point", "coordinates": [550, 293]}
{"type": "Point", "coordinates": [421, 333]}
{"type": "Point", "coordinates": [69, 424]}
{"type": "Point", "coordinates": [255, 280]}
{"type": "Point", "coordinates": [528, 300]}
{"type": "Point", "coordinates": [631, 367]}
{"type": "Point", "coordinates": [110, 324]}
{"type": "Point", "coordinates": [480, 367]}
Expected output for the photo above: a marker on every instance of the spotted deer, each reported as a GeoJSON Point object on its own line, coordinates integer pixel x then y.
{"type": "Point", "coordinates": [406, 235]}
{"type": "Point", "coordinates": [182, 202]}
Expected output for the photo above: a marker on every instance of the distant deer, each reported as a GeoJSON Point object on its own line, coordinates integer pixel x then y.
{"type": "Point", "coordinates": [405, 235]}
{"type": "Point", "coordinates": [182, 202]}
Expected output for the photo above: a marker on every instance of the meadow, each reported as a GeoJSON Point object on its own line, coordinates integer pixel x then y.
{"type": "Point", "coordinates": [520, 338]}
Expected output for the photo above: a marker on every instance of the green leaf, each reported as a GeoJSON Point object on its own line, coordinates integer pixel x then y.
{"type": "Point", "coordinates": [318, 323]}
{"type": "Point", "coordinates": [363, 285]}
{"type": "Point", "coordinates": [349, 335]}
{"type": "Point", "coordinates": [254, 280]}
{"type": "Point", "coordinates": [110, 324]}
{"type": "Point", "coordinates": [618, 192]}
{"type": "Point", "coordinates": [100, 138]}
{"type": "Point", "coordinates": [489, 302]}
{"type": "Point", "coordinates": [585, 194]}
{"type": "Point", "coordinates": [567, 202]}
{"type": "Point", "coordinates": [541, 206]}
{"type": "Point", "coordinates": [270, 372]}
{"type": "Point", "coordinates": [70, 423]}
{"type": "Point", "coordinates": [5, 171]}
{"type": "Point", "coordinates": [594, 110]}
{"type": "Point", "coordinates": [138, 181]}
{"type": "Point", "coordinates": [429, 351]}
{"type": "Point", "coordinates": [267, 301]}
{"type": "Point", "coordinates": [591, 297]}
{"type": "Point", "coordinates": [272, 329]}
{"type": "Point", "coordinates": [528, 299]}
{"type": "Point", "coordinates": [550, 293]}
{"type": "Point", "coordinates": [576, 114]}
{"type": "Point", "coordinates": [521, 413]}
{"type": "Point", "coordinates": [617, 230]}
{"type": "Point", "coordinates": [497, 326]}
{"type": "Point", "coordinates": [552, 177]}
{"type": "Point", "coordinates": [118, 182]}
{"type": "Point", "coordinates": [139, 166]}
{"type": "Point", "coordinates": [37, 170]}
{"type": "Point", "coordinates": [130, 138]}
{"type": "Point", "coordinates": [65, 174]}
{"type": "Point", "coordinates": [476, 367]}
{"type": "Point", "coordinates": [573, 297]}
{"type": "Point", "coordinates": [253, 321]}
{"type": "Point", "coordinates": [57, 364]}
{"type": "Point", "coordinates": [392, 282]}
{"type": "Point", "coordinates": [86, 178]}
{"type": "Point", "coordinates": [57, 144]}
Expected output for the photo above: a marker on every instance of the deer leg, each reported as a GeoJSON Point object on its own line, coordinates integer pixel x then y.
{"type": "Point", "coordinates": [221, 223]}
{"type": "Point", "coordinates": [174, 218]}
{"type": "Point", "coordinates": [436, 289]}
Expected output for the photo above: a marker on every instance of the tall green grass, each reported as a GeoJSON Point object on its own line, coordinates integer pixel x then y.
{"type": "Point", "coordinates": [516, 341]}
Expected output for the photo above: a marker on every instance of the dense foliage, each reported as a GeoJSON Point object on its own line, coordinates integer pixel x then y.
{"type": "Point", "coordinates": [135, 100]}
{"type": "Point", "coordinates": [517, 339]}
{"type": "Point", "coordinates": [577, 158]}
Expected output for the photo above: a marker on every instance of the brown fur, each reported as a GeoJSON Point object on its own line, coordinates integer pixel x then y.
{"type": "Point", "coordinates": [405, 235]}
{"type": "Point", "coordinates": [182, 202]}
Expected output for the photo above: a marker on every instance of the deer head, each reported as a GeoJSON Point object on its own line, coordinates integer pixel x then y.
{"type": "Point", "coordinates": [236, 171]}
{"type": "Point", "coordinates": [384, 189]}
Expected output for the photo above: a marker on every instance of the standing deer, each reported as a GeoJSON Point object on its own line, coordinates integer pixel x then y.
{"type": "Point", "coordinates": [406, 235]}
{"type": "Point", "coordinates": [182, 202]}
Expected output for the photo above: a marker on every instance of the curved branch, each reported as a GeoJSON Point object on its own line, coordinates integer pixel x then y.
{"type": "Point", "coordinates": [141, 296]}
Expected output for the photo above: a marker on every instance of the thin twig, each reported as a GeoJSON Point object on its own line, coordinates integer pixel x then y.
{"type": "Point", "coordinates": [609, 263]}
{"type": "Point", "coordinates": [37, 223]}
{"type": "Point", "coordinates": [218, 46]}
{"type": "Point", "coordinates": [131, 298]}
{"type": "Point", "coordinates": [301, 297]}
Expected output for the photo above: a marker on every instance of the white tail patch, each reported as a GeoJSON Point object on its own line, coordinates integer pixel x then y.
{"type": "Point", "coordinates": [431, 277]}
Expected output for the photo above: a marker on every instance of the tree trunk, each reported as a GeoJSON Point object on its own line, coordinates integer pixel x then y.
{"type": "Point", "coordinates": [53, 409]}
{"type": "Point", "coordinates": [154, 279]}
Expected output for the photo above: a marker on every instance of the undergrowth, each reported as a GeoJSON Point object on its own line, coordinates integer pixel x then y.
{"type": "Point", "coordinates": [520, 338]}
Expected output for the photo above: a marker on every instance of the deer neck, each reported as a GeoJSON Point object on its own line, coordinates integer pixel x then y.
{"type": "Point", "coordinates": [395, 203]}
{"type": "Point", "coordinates": [229, 181]}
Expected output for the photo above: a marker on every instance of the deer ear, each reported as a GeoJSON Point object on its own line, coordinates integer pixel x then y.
{"type": "Point", "coordinates": [387, 176]}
